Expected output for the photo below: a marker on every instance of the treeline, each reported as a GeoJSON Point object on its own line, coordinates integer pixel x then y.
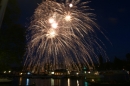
{"type": "Point", "coordinates": [12, 38]}
{"type": "Point", "coordinates": [117, 64]}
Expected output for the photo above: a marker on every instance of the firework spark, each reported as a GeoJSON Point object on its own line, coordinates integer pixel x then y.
{"type": "Point", "coordinates": [61, 35]}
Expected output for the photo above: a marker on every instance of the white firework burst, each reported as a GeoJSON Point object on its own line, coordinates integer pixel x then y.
{"type": "Point", "coordinates": [61, 35]}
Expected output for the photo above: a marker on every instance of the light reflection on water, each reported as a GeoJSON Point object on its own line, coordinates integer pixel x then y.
{"type": "Point", "coordinates": [85, 83]}
{"type": "Point", "coordinates": [53, 82]}
{"type": "Point", "coordinates": [68, 81]}
{"type": "Point", "coordinates": [20, 80]}
{"type": "Point", "coordinates": [27, 81]}
{"type": "Point", "coordinates": [77, 83]}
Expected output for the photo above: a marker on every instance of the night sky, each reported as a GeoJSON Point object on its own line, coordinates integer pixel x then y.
{"type": "Point", "coordinates": [113, 17]}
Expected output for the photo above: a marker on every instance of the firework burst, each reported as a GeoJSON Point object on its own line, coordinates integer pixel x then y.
{"type": "Point", "coordinates": [61, 35]}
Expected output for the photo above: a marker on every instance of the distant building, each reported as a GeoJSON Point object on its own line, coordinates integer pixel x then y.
{"type": "Point", "coordinates": [3, 4]}
{"type": "Point", "coordinates": [74, 73]}
{"type": "Point", "coordinates": [60, 72]}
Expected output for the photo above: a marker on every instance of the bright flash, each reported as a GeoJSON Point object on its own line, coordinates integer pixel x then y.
{"type": "Point", "coordinates": [51, 20]}
{"type": "Point", "coordinates": [51, 33]}
{"type": "Point", "coordinates": [70, 5]}
{"type": "Point", "coordinates": [54, 25]}
{"type": "Point", "coordinates": [68, 18]}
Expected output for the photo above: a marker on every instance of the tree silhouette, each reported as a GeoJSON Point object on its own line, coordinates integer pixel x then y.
{"type": "Point", "coordinates": [128, 57]}
{"type": "Point", "coordinates": [12, 45]}
{"type": "Point", "coordinates": [101, 59]}
{"type": "Point", "coordinates": [101, 66]}
{"type": "Point", "coordinates": [0, 5]}
{"type": "Point", "coordinates": [11, 15]}
{"type": "Point", "coordinates": [12, 40]}
{"type": "Point", "coordinates": [118, 63]}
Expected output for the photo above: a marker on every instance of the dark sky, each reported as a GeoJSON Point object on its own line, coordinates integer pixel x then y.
{"type": "Point", "coordinates": [113, 17]}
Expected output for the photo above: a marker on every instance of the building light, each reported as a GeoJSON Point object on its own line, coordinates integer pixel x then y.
{"type": "Point", "coordinates": [21, 73]}
{"type": "Point", "coordinates": [77, 73]}
{"type": "Point", "coordinates": [28, 73]}
{"type": "Point", "coordinates": [4, 71]}
{"type": "Point", "coordinates": [68, 72]}
{"type": "Point", "coordinates": [96, 73]}
{"type": "Point", "coordinates": [93, 80]}
{"type": "Point", "coordinates": [9, 71]}
{"type": "Point", "coordinates": [52, 72]}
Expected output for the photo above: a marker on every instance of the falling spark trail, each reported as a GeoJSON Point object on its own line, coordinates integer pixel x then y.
{"type": "Point", "coordinates": [61, 35]}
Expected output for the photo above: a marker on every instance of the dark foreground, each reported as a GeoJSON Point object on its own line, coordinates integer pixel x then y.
{"type": "Point", "coordinates": [93, 84]}
{"type": "Point", "coordinates": [60, 81]}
